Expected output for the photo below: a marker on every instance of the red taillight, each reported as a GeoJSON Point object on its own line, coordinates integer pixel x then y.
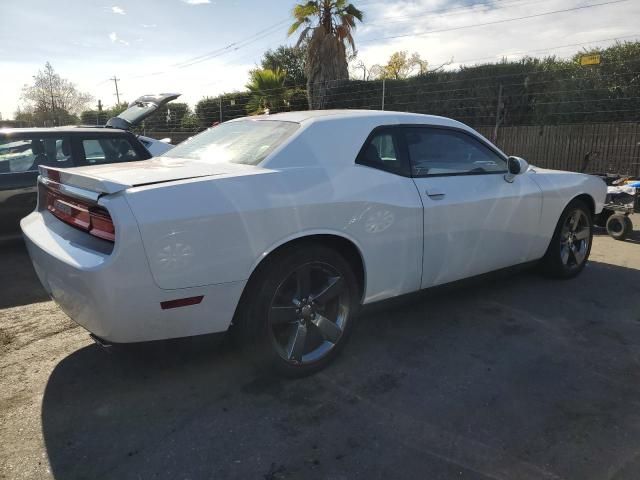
{"type": "Point", "coordinates": [84, 216]}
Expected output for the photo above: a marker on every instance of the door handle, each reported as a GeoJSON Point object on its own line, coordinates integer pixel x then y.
{"type": "Point", "coordinates": [434, 193]}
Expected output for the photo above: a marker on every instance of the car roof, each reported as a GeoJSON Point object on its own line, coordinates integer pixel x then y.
{"type": "Point", "coordinates": [382, 115]}
{"type": "Point", "coordinates": [68, 129]}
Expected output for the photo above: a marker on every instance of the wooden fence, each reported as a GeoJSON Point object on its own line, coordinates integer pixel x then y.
{"type": "Point", "coordinates": [593, 148]}
{"type": "Point", "coordinates": [603, 147]}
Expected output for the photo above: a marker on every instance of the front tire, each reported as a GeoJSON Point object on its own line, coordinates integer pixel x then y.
{"type": "Point", "coordinates": [299, 310]}
{"type": "Point", "coordinates": [570, 245]}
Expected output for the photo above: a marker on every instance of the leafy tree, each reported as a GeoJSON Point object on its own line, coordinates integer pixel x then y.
{"type": "Point", "coordinates": [400, 65]}
{"type": "Point", "coordinates": [233, 106]}
{"type": "Point", "coordinates": [190, 123]}
{"type": "Point", "coordinates": [328, 27]}
{"type": "Point", "coordinates": [296, 99]}
{"type": "Point", "coordinates": [167, 118]}
{"type": "Point", "coordinates": [117, 109]}
{"type": "Point", "coordinates": [53, 100]}
{"type": "Point", "coordinates": [94, 117]}
{"type": "Point", "coordinates": [290, 60]}
{"type": "Point", "coordinates": [100, 117]}
{"type": "Point", "coordinates": [530, 91]}
{"type": "Point", "coordinates": [24, 118]}
{"type": "Point", "coordinates": [208, 111]}
{"type": "Point", "coordinates": [268, 92]}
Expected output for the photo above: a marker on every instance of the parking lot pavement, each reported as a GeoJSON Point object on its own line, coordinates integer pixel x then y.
{"type": "Point", "coordinates": [517, 377]}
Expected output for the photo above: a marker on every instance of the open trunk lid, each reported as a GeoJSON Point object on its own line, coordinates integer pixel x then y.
{"type": "Point", "coordinates": [140, 109]}
{"type": "Point", "coordinates": [115, 177]}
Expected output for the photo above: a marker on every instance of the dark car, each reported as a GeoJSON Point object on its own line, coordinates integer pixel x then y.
{"type": "Point", "coordinates": [23, 150]}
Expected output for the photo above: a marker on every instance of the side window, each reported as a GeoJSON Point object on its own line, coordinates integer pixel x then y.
{"type": "Point", "coordinates": [108, 150]}
{"type": "Point", "coordinates": [434, 151]}
{"type": "Point", "coordinates": [381, 152]}
{"type": "Point", "coordinates": [27, 153]}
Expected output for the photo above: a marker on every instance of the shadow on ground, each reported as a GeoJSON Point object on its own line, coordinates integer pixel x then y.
{"type": "Point", "coordinates": [519, 377]}
{"type": "Point", "coordinates": [19, 282]}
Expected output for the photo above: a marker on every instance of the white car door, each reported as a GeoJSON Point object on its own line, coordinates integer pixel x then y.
{"type": "Point", "coordinates": [475, 221]}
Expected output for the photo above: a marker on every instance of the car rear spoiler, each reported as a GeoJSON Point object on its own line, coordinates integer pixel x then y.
{"type": "Point", "coordinates": [82, 181]}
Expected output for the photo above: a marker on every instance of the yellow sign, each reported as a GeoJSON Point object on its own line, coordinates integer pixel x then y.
{"type": "Point", "coordinates": [590, 60]}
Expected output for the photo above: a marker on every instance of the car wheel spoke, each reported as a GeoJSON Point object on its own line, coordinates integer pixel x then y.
{"type": "Point", "coordinates": [283, 314]}
{"type": "Point", "coordinates": [575, 220]}
{"type": "Point", "coordinates": [297, 343]}
{"type": "Point", "coordinates": [582, 234]}
{"type": "Point", "coordinates": [572, 254]}
{"type": "Point", "coordinates": [331, 291]}
{"type": "Point", "coordinates": [329, 330]}
{"type": "Point", "coordinates": [303, 279]}
{"type": "Point", "coordinates": [578, 255]}
{"type": "Point", "coordinates": [564, 254]}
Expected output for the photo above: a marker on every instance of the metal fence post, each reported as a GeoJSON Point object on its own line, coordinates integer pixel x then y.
{"type": "Point", "coordinates": [220, 108]}
{"type": "Point", "coordinates": [383, 88]}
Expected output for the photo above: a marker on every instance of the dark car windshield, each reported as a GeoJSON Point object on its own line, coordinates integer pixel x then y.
{"type": "Point", "coordinates": [245, 141]}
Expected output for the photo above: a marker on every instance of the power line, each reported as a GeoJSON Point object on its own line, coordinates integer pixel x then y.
{"type": "Point", "coordinates": [495, 22]}
{"type": "Point", "coordinates": [232, 47]}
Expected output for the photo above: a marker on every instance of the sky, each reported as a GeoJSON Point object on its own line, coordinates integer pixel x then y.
{"type": "Point", "coordinates": [204, 47]}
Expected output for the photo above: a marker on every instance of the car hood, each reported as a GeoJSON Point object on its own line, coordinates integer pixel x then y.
{"type": "Point", "coordinates": [115, 177]}
{"type": "Point", "coordinates": [140, 109]}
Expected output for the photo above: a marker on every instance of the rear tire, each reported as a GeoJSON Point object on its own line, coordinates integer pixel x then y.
{"type": "Point", "coordinates": [570, 246]}
{"type": "Point", "coordinates": [619, 226]}
{"type": "Point", "coordinates": [299, 309]}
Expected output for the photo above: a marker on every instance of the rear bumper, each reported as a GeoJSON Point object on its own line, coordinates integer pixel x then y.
{"type": "Point", "coordinates": [112, 294]}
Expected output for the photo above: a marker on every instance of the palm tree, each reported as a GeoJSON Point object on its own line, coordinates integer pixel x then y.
{"type": "Point", "coordinates": [267, 91]}
{"type": "Point", "coordinates": [328, 26]}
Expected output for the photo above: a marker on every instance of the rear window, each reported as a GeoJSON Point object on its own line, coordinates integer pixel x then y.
{"type": "Point", "coordinates": [109, 150]}
{"type": "Point", "coordinates": [245, 141]}
{"type": "Point", "coordinates": [25, 154]}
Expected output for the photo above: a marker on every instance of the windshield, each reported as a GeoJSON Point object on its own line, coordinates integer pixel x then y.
{"type": "Point", "coordinates": [245, 141]}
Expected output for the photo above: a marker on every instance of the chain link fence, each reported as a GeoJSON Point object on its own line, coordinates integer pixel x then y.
{"type": "Point", "coordinates": [574, 119]}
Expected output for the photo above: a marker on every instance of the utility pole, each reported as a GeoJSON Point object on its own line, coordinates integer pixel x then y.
{"type": "Point", "coordinates": [99, 112]}
{"type": "Point", "coordinates": [115, 81]}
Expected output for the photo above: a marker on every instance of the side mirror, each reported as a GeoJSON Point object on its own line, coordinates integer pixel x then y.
{"type": "Point", "coordinates": [516, 166]}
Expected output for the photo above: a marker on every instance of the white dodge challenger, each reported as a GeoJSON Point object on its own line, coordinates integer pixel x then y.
{"type": "Point", "coordinates": [284, 225]}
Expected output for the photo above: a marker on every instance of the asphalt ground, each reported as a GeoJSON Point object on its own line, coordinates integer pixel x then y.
{"type": "Point", "coordinates": [509, 377]}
